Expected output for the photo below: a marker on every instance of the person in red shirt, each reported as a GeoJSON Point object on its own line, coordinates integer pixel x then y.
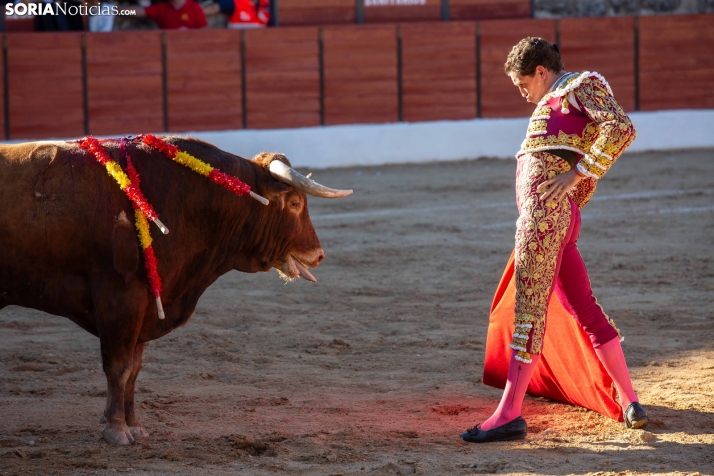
{"type": "Point", "coordinates": [174, 14]}
{"type": "Point", "coordinates": [241, 13]}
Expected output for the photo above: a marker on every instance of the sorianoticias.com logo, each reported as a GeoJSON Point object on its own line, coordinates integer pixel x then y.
{"type": "Point", "coordinates": [22, 9]}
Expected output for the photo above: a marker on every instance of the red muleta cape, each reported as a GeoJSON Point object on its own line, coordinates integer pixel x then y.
{"type": "Point", "coordinates": [568, 371]}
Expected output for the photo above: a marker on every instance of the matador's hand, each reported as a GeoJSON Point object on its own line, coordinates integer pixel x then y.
{"type": "Point", "coordinates": [556, 188]}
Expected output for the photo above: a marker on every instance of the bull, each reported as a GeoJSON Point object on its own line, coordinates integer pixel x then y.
{"type": "Point", "coordinates": [68, 246]}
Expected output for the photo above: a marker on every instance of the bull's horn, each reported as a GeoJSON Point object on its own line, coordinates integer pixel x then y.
{"type": "Point", "coordinates": [288, 175]}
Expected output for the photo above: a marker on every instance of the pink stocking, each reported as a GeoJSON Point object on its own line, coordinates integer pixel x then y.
{"type": "Point", "coordinates": [519, 375]}
{"type": "Point", "coordinates": [612, 358]}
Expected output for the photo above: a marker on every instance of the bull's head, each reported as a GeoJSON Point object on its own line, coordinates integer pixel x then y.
{"type": "Point", "coordinates": [294, 246]}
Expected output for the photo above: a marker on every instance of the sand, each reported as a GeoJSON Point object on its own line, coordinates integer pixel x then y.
{"type": "Point", "coordinates": [376, 369]}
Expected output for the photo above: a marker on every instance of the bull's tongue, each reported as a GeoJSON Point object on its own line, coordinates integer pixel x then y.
{"type": "Point", "coordinates": [304, 273]}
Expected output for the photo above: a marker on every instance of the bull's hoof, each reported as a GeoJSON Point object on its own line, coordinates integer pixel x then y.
{"type": "Point", "coordinates": [138, 432]}
{"type": "Point", "coordinates": [118, 435]}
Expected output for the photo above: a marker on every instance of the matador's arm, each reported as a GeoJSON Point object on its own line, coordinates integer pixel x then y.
{"type": "Point", "coordinates": [616, 131]}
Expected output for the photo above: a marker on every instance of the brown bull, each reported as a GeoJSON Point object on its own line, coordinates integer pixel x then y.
{"type": "Point", "coordinates": [68, 246]}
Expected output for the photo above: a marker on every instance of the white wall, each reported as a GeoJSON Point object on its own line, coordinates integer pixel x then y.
{"type": "Point", "coordinates": [376, 144]}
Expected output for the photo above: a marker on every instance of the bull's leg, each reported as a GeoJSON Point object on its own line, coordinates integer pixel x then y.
{"type": "Point", "coordinates": [117, 360]}
{"type": "Point", "coordinates": [135, 427]}
{"type": "Point", "coordinates": [119, 320]}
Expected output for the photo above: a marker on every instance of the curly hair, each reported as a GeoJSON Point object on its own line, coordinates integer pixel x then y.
{"type": "Point", "coordinates": [530, 53]}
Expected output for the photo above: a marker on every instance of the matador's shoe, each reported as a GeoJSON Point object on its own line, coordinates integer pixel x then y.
{"type": "Point", "coordinates": [513, 430]}
{"type": "Point", "coordinates": [635, 416]}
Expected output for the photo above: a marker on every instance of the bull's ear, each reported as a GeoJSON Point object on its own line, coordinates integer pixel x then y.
{"type": "Point", "coordinates": [276, 191]}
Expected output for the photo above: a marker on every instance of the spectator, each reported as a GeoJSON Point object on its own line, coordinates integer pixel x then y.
{"type": "Point", "coordinates": [60, 21]}
{"type": "Point", "coordinates": [100, 22]}
{"type": "Point", "coordinates": [242, 13]}
{"type": "Point", "coordinates": [2, 14]}
{"type": "Point", "coordinates": [174, 14]}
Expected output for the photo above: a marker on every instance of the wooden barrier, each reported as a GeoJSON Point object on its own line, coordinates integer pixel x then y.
{"type": "Point", "coordinates": [676, 62]}
{"type": "Point", "coordinates": [499, 97]}
{"type": "Point", "coordinates": [124, 82]}
{"type": "Point", "coordinates": [604, 45]}
{"type": "Point", "coordinates": [17, 25]}
{"type": "Point", "coordinates": [316, 12]}
{"type": "Point", "coordinates": [360, 74]}
{"type": "Point", "coordinates": [282, 78]}
{"type": "Point", "coordinates": [438, 71]}
{"type": "Point", "coordinates": [4, 126]}
{"type": "Point", "coordinates": [489, 9]}
{"type": "Point", "coordinates": [45, 91]}
{"type": "Point", "coordinates": [376, 11]}
{"type": "Point", "coordinates": [298, 77]}
{"type": "Point", "coordinates": [203, 69]}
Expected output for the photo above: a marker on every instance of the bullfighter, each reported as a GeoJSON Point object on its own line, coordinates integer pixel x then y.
{"type": "Point", "coordinates": [576, 133]}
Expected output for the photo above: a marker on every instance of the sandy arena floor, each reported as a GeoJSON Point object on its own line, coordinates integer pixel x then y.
{"type": "Point", "coordinates": [376, 369]}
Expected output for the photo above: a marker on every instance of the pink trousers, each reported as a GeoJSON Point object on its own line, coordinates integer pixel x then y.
{"type": "Point", "coordinates": [572, 286]}
{"type": "Point", "coordinates": [547, 260]}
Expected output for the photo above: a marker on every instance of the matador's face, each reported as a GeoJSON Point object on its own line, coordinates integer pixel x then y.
{"type": "Point", "coordinates": [534, 87]}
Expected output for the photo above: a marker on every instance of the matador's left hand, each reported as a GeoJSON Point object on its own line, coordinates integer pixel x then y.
{"type": "Point", "coordinates": [556, 188]}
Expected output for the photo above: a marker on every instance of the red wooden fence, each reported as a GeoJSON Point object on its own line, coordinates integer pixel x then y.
{"type": "Point", "coordinates": [605, 45]}
{"type": "Point", "coordinates": [383, 11]}
{"type": "Point", "coordinates": [331, 12]}
{"type": "Point", "coordinates": [45, 78]}
{"type": "Point", "coordinates": [360, 64]}
{"type": "Point", "coordinates": [282, 77]}
{"type": "Point", "coordinates": [499, 97]}
{"type": "Point", "coordinates": [489, 9]}
{"type": "Point", "coordinates": [124, 82]}
{"type": "Point", "coordinates": [438, 71]}
{"type": "Point", "coordinates": [676, 62]}
{"type": "Point", "coordinates": [69, 84]}
{"type": "Point", "coordinates": [316, 12]}
{"type": "Point", "coordinates": [204, 80]}
{"type": "Point", "coordinates": [4, 126]}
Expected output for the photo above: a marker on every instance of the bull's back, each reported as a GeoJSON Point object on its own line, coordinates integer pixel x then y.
{"type": "Point", "coordinates": [47, 190]}
{"type": "Point", "coordinates": [54, 223]}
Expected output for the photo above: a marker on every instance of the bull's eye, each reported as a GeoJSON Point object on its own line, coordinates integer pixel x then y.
{"type": "Point", "coordinates": [295, 205]}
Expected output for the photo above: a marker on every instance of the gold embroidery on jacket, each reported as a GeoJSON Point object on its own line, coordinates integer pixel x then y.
{"type": "Point", "coordinates": [542, 227]}
{"type": "Point", "coordinates": [540, 231]}
{"type": "Point", "coordinates": [562, 140]}
{"type": "Point", "coordinates": [602, 142]}
{"type": "Point", "coordinates": [583, 191]}
{"type": "Point", "coordinates": [537, 127]}
{"type": "Point", "coordinates": [616, 131]}
{"type": "Point", "coordinates": [542, 111]}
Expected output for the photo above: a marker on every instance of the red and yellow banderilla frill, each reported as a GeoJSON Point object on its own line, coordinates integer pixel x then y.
{"type": "Point", "coordinates": [142, 228]}
{"type": "Point", "coordinates": [117, 173]}
{"type": "Point", "coordinates": [228, 182]}
{"type": "Point", "coordinates": [143, 211]}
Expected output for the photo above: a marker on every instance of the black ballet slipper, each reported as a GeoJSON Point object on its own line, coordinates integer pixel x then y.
{"type": "Point", "coordinates": [636, 416]}
{"type": "Point", "coordinates": [513, 430]}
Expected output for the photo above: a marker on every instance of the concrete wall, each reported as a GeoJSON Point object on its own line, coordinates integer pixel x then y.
{"type": "Point", "coordinates": [359, 145]}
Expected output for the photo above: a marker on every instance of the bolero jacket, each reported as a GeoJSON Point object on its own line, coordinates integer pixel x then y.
{"type": "Point", "coordinates": [580, 114]}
